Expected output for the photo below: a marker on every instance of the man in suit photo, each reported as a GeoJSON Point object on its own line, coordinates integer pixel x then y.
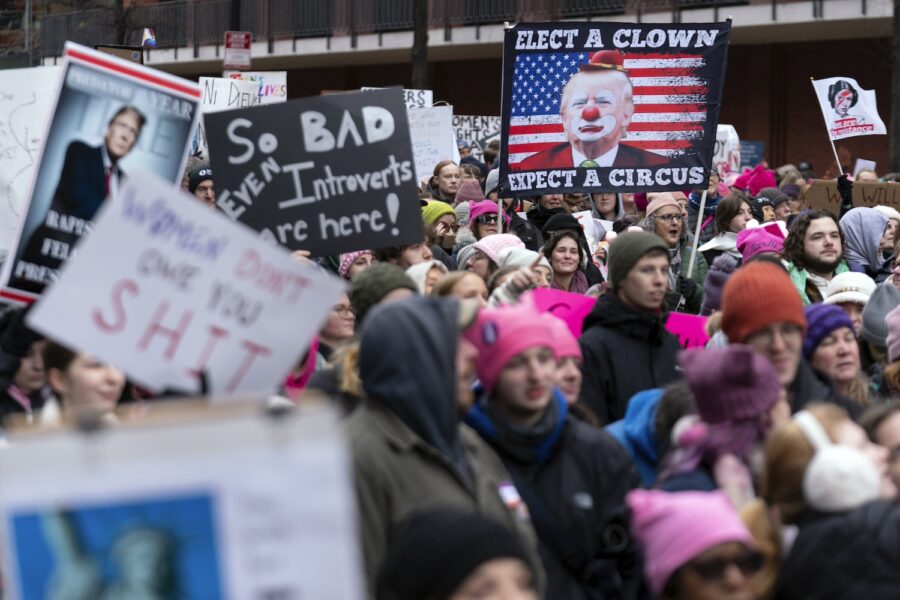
{"type": "Point", "coordinates": [596, 109]}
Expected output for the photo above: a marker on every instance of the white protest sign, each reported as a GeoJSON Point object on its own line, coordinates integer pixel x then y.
{"type": "Point", "coordinates": [431, 133]}
{"type": "Point", "coordinates": [477, 131]}
{"type": "Point", "coordinates": [411, 97]}
{"type": "Point", "coordinates": [271, 85]}
{"type": "Point", "coordinates": [166, 288]}
{"type": "Point", "coordinates": [862, 163]}
{"type": "Point", "coordinates": [586, 220]}
{"type": "Point", "coordinates": [727, 154]}
{"type": "Point", "coordinates": [221, 94]}
{"type": "Point", "coordinates": [231, 506]}
{"type": "Point", "coordinates": [848, 109]}
{"type": "Point", "coordinates": [27, 97]}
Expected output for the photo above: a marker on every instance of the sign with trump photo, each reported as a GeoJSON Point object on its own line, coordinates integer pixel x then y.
{"type": "Point", "coordinates": [610, 107]}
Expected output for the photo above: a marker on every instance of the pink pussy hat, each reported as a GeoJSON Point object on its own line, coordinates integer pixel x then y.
{"type": "Point", "coordinates": [675, 527]}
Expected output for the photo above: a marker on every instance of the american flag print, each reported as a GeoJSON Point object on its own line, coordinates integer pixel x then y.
{"type": "Point", "coordinates": [669, 98]}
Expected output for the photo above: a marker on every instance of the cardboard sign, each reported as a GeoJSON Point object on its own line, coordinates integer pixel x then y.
{"type": "Point", "coordinates": [727, 154]}
{"type": "Point", "coordinates": [571, 308]}
{"type": "Point", "coordinates": [690, 329]}
{"type": "Point", "coordinates": [271, 85]}
{"type": "Point", "coordinates": [111, 118]}
{"type": "Point", "coordinates": [431, 132]}
{"type": "Point", "coordinates": [476, 131]}
{"type": "Point", "coordinates": [26, 106]}
{"type": "Point", "coordinates": [166, 288]}
{"type": "Point", "coordinates": [411, 97]}
{"type": "Point", "coordinates": [231, 506]}
{"type": "Point", "coordinates": [561, 137]}
{"type": "Point", "coordinates": [221, 94]}
{"type": "Point", "coordinates": [328, 174]}
{"type": "Point", "coordinates": [823, 194]}
{"type": "Point", "coordinates": [237, 49]}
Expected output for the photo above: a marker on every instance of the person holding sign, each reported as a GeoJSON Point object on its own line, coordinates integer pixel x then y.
{"type": "Point", "coordinates": [596, 109]}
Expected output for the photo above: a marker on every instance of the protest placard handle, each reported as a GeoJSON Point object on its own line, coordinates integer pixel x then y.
{"type": "Point", "coordinates": [830, 141]}
{"type": "Point", "coordinates": [500, 214]}
{"type": "Point", "coordinates": [697, 234]}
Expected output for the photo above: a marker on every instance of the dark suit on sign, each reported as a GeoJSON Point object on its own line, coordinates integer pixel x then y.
{"type": "Point", "coordinates": [560, 157]}
{"type": "Point", "coordinates": [82, 183]}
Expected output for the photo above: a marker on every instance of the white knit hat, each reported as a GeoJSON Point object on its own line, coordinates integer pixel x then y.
{"type": "Point", "coordinates": [522, 257]}
{"type": "Point", "coordinates": [850, 287]}
{"type": "Point", "coordinates": [890, 213]}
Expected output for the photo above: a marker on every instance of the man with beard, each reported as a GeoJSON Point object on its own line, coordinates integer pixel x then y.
{"type": "Point", "coordinates": [814, 251]}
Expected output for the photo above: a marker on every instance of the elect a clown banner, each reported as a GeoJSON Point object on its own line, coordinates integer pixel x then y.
{"type": "Point", "coordinates": [610, 107]}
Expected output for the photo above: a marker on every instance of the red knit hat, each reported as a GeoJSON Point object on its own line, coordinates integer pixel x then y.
{"type": "Point", "coordinates": [756, 296]}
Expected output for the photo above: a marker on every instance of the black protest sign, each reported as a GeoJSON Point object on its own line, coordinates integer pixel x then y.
{"type": "Point", "coordinates": [610, 107]}
{"type": "Point", "coordinates": [328, 174]}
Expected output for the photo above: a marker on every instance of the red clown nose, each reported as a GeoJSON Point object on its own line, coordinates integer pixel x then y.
{"type": "Point", "coordinates": [590, 113]}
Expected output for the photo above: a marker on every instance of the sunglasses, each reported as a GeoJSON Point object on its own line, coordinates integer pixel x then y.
{"type": "Point", "coordinates": [749, 563]}
{"type": "Point", "coordinates": [487, 220]}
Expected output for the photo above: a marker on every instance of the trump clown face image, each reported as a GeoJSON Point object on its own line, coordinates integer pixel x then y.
{"type": "Point", "coordinates": [597, 106]}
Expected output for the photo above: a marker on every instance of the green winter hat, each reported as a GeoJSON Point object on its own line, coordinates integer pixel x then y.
{"type": "Point", "coordinates": [627, 249]}
{"type": "Point", "coordinates": [435, 209]}
{"type": "Point", "coordinates": [373, 284]}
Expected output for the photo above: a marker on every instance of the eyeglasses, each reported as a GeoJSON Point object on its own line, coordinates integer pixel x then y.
{"type": "Point", "coordinates": [487, 220]}
{"type": "Point", "coordinates": [343, 311]}
{"type": "Point", "coordinates": [453, 227]}
{"type": "Point", "coordinates": [672, 218]}
{"type": "Point", "coordinates": [749, 563]}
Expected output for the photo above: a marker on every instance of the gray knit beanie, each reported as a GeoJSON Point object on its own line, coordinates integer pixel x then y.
{"type": "Point", "coordinates": [627, 249]}
{"type": "Point", "coordinates": [883, 300]}
{"type": "Point", "coordinates": [373, 284]}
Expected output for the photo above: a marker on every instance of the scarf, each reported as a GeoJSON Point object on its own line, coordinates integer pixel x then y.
{"type": "Point", "coordinates": [709, 209]}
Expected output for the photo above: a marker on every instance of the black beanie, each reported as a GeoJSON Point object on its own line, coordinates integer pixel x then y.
{"type": "Point", "coordinates": [198, 175]}
{"type": "Point", "coordinates": [560, 221]}
{"type": "Point", "coordinates": [434, 551]}
{"type": "Point", "coordinates": [369, 287]}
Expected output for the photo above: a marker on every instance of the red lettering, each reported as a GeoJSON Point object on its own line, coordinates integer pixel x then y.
{"type": "Point", "coordinates": [252, 351]}
{"type": "Point", "coordinates": [174, 334]}
{"type": "Point", "coordinates": [119, 322]}
{"type": "Point", "coordinates": [249, 264]}
{"type": "Point", "coordinates": [215, 334]}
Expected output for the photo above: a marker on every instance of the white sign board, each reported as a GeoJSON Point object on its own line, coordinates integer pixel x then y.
{"type": "Point", "coordinates": [431, 133]}
{"type": "Point", "coordinates": [226, 507]}
{"type": "Point", "coordinates": [27, 97]}
{"type": "Point", "coordinates": [412, 98]}
{"type": "Point", "coordinates": [221, 94]}
{"type": "Point", "coordinates": [848, 109]}
{"type": "Point", "coordinates": [165, 288]}
{"type": "Point", "coordinates": [477, 131]}
{"type": "Point", "coordinates": [727, 155]}
{"type": "Point", "coordinates": [237, 49]}
{"type": "Point", "coordinates": [271, 85]}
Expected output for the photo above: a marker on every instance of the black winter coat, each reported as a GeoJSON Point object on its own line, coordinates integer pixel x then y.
{"type": "Point", "coordinates": [525, 231]}
{"type": "Point", "coordinates": [849, 555]}
{"type": "Point", "coordinates": [808, 388]}
{"type": "Point", "coordinates": [625, 351]}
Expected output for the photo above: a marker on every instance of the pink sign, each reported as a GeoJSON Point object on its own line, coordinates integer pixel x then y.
{"type": "Point", "coordinates": [571, 308]}
{"type": "Point", "coordinates": [690, 329]}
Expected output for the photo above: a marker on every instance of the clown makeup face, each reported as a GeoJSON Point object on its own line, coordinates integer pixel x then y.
{"type": "Point", "coordinates": [596, 109]}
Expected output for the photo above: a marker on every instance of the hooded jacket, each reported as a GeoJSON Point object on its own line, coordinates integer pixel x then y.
{"type": "Point", "coordinates": [409, 449]}
{"type": "Point", "coordinates": [863, 229]}
{"type": "Point", "coordinates": [637, 433]}
{"type": "Point", "coordinates": [625, 351]}
{"type": "Point", "coordinates": [580, 476]}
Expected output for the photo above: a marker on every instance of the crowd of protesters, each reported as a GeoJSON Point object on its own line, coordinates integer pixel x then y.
{"type": "Point", "coordinates": [498, 454]}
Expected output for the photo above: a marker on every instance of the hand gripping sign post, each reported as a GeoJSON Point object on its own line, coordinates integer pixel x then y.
{"type": "Point", "coordinates": [223, 505]}
{"type": "Point", "coordinates": [610, 107]}
{"type": "Point", "coordinates": [328, 174]}
{"type": "Point", "coordinates": [167, 289]}
{"type": "Point", "coordinates": [848, 110]}
{"type": "Point", "coordinates": [111, 118]}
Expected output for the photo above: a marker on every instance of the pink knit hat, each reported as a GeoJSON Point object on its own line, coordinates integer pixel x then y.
{"type": "Point", "coordinates": [485, 207]}
{"type": "Point", "coordinates": [469, 191]}
{"type": "Point", "coordinates": [564, 343]}
{"type": "Point", "coordinates": [893, 337]}
{"type": "Point", "coordinates": [502, 333]}
{"type": "Point", "coordinates": [347, 261]}
{"type": "Point", "coordinates": [658, 200]}
{"type": "Point", "coordinates": [676, 527]}
{"type": "Point", "coordinates": [491, 245]}
{"type": "Point", "coordinates": [756, 240]}
{"type": "Point", "coordinates": [757, 179]}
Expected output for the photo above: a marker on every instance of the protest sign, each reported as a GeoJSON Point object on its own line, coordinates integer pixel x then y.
{"type": "Point", "coordinates": [752, 153]}
{"type": "Point", "coordinates": [689, 329]}
{"type": "Point", "coordinates": [477, 131]}
{"type": "Point", "coordinates": [823, 194]}
{"type": "Point", "coordinates": [228, 506]}
{"type": "Point", "coordinates": [571, 308]}
{"type": "Point", "coordinates": [861, 164]}
{"type": "Point", "coordinates": [328, 174]}
{"type": "Point", "coordinates": [26, 105]}
{"type": "Point", "coordinates": [271, 85]}
{"type": "Point", "coordinates": [727, 154]}
{"type": "Point", "coordinates": [166, 289]}
{"type": "Point", "coordinates": [566, 109]}
{"type": "Point", "coordinates": [412, 98]}
{"type": "Point", "coordinates": [847, 108]}
{"type": "Point", "coordinates": [586, 219]}
{"type": "Point", "coordinates": [431, 133]}
{"type": "Point", "coordinates": [111, 118]}
{"type": "Point", "coordinates": [220, 94]}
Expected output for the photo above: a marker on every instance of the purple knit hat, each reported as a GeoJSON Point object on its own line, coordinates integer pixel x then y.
{"type": "Point", "coordinates": [719, 272]}
{"type": "Point", "coordinates": [821, 321]}
{"type": "Point", "coordinates": [791, 190]}
{"type": "Point", "coordinates": [730, 384]}
{"type": "Point", "coordinates": [347, 261]}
